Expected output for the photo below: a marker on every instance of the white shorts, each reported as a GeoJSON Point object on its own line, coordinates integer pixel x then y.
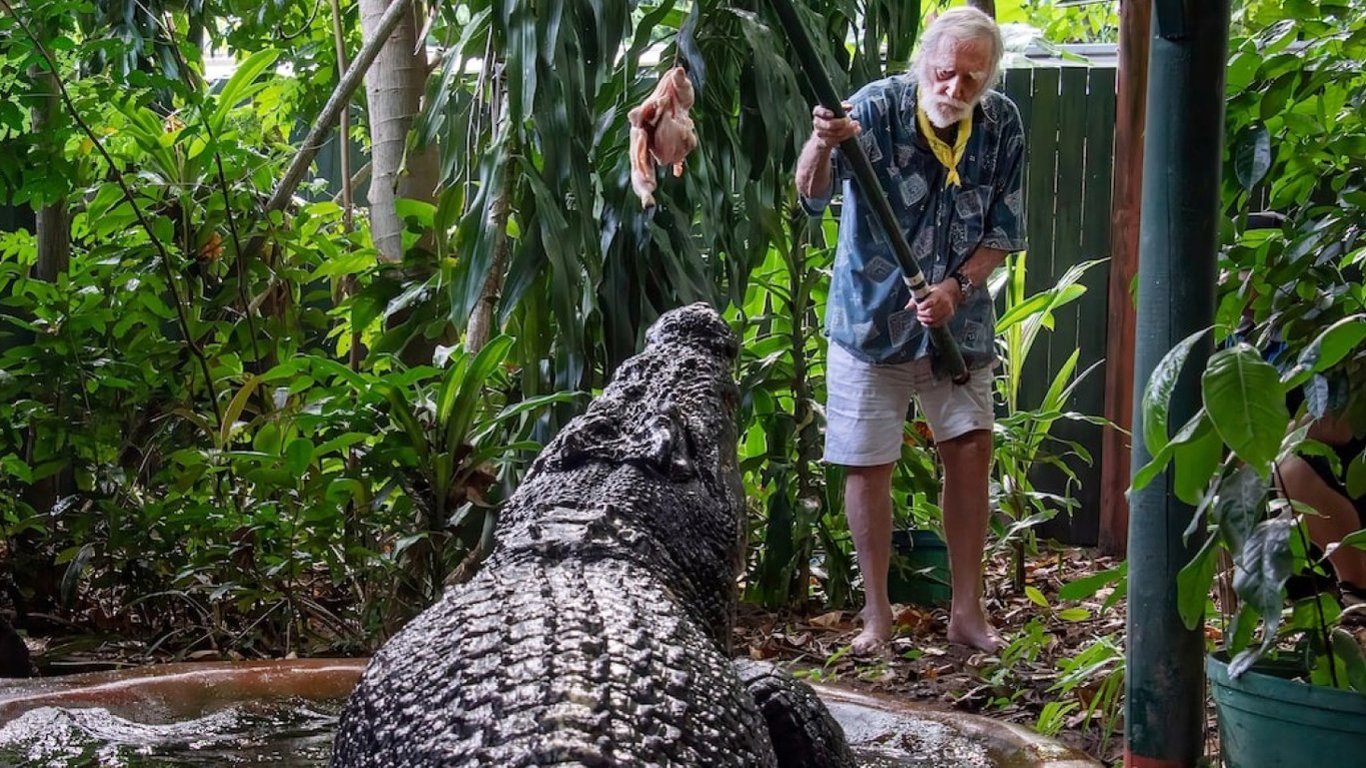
{"type": "Point", "coordinates": [865, 407]}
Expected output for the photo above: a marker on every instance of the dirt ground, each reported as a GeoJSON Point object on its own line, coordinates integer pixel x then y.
{"type": "Point", "coordinates": [1061, 674]}
{"type": "Point", "coordinates": [1010, 685]}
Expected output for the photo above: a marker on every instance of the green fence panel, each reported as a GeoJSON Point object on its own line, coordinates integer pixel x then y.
{"type": "Point", "coordinates": [1068, 114]}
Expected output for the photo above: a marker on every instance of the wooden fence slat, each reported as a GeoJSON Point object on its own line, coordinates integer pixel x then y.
{"type": "Point", "coordinates": [1069, 174]}
{"type": "Point", "coordinates": [1093, 307]}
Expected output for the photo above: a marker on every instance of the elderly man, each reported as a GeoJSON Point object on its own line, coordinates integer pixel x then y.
{"type": "Point", "coordinates": [949, 153]}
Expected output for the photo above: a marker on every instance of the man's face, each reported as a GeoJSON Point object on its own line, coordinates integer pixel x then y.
{"type": "Point", "coordinates": [953, 79]}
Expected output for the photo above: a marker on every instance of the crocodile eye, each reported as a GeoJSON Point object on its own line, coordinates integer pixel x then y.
{"type": "Point", "coordinates": [663, 444]}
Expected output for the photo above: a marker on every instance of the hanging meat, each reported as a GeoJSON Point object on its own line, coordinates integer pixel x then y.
{"type": "Point", "coordinates": [661, 132]}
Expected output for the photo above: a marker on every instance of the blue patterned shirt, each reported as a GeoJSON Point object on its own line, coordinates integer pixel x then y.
{"type": "Point", "coordinates": [866, 310]}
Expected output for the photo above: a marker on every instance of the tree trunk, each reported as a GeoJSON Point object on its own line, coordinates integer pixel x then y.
{"type": "Point", "coordinates": [52, 229]}
{"type": "Point", "coordinates": [393, 88]}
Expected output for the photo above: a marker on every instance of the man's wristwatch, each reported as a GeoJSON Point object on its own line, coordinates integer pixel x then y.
{"type": "Point", "coordinates": [965, 286]}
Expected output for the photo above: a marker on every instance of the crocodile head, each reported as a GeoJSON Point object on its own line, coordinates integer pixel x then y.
{"type": "Point", "coordinates": [648, 473]}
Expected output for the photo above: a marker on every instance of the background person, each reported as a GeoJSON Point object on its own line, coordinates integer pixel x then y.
{"type": "Point", "coordinates": [949, 153]}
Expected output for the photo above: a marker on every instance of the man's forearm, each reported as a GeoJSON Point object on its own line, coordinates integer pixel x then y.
{"type": "Point", "coordinates": [981, 264]}
{"type": "Point", "coordinates": [813, 169]}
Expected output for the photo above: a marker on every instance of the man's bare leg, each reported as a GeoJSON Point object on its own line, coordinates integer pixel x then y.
{"type": "Point", "coordinates": [868, 506]}
{"type": "Point", "coordinates": [1336, 519]}
{"type": "Point", "coordinates": [966, 504]}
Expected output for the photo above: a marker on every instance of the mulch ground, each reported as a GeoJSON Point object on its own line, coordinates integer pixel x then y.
{"type": "Point", "coordinates": [1035, 681]}
{"type": "Point", "coordinates": [1013, 685]}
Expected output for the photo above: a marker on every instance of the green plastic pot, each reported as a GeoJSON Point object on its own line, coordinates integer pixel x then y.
{"type": "Point", "coordinates": [924, 580]}
{"type": "Point", "coordinates": [1267, 720]}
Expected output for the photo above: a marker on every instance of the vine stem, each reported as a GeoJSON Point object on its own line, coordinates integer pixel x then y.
{"type": "Point", "coordinates": [164, 255]}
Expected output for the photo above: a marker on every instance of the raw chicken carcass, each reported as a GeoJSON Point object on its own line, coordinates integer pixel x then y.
{"type": "Point", "coordinates": [661, 132]}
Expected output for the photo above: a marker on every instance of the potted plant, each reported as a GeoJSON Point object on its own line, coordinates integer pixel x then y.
{"type": "Point", "coordinates": [1289, 683]}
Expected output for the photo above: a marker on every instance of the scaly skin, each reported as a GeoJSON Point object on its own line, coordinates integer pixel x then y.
{"type": "Point", "coordinates": [597, 633]}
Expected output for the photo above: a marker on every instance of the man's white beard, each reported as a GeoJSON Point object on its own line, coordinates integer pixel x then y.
{"type": "Point", "coordinates": [945, 111]}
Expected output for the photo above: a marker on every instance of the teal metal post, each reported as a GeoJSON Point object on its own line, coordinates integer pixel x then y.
{"type": "Point", "coordinates": [1178, 241]}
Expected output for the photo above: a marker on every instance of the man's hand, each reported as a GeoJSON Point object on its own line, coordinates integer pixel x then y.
{"type": "Point", "coordinates": [938, 307]}
{"type": "Point", "coordinates": [828, 131]}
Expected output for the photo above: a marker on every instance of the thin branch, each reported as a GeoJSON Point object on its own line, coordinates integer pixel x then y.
{"type": "Point", "coordinates": [355, 75]}
{"type": "Point", "coordinates": [165, 256]}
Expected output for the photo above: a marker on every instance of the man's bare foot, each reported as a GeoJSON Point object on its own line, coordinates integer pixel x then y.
{"type": "Point", "coordinates": [877, 631]}
{"type": "Point", "coordinates": [975, 632]}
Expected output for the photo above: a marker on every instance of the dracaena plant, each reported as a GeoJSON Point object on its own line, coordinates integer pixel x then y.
{"type": "Point", "coordinates": [1023, 435]}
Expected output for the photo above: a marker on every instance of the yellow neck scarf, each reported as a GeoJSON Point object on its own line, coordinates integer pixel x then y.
{"type": "Point", "coordinates": [948, 156]}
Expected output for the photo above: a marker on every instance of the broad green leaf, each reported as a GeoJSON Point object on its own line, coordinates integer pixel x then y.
{"type": "Point", "coordinates": [1246, 403]}
{"type": "Point", "coordinates": [1259, 575]}
{"type": "Point", "coordinates": [235, 407]}
{"type": "Point", "coordinates": [1193, 583]}
{"type": "Point", "coordinates": [1087, 586]}
{"type": "Point", "coordinates": [1194, 429]}
{"type": "Point", "coordinates": [1074, 614]}
{"type": "Point", "coordinates": [402, 413]}
{"type": "Point", "coordinates": [1348, 651]}
{"type": "Point", "coordinates": [1252, 157]}
{"type": "Point", "coordinates": [1158, 394]}
{"type": "Point", "coordinates": [1329, 348]}
{"type": "Point", "coordinates": [1195, 460]}
{"type": "Point", "coordinates": [466, 401]}
{"type": "Point", "coordinates": [242, 84]}
{"type": "Point", "coordinates": [1239, 506]}
{"type": "Point", "coordinates": [298, 455]}
{"type": "Point", "coordinates": [1035, 596]}
{"type": "Point", "coordinates": [267, 439]}
{"type": "Point", "coordinates": [1355, 539]}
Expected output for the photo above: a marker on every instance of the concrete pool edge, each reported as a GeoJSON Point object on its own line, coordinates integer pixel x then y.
{"type": "Point", "coordinates": [198, 685]}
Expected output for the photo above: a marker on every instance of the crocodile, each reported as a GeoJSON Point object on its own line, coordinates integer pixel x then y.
{"type": "Point", "coordinates": [598, 631]}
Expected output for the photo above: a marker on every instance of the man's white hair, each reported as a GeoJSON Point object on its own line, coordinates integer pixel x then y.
{"type": "Point", "coordinates": [962, 25]}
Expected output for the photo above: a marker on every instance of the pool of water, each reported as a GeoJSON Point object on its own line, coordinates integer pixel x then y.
{"type": "Point", "coordinates": [298, 734]}
{"type": "Point", "coordinates": [284, 714]}
{"type": "Point", "coordinates": [287, 734]}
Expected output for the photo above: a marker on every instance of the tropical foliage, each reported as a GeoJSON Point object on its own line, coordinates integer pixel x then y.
{"type": "Point", "coordinates": [229, 428]}
{"type": "Point", "coordinates": [1296, 130]}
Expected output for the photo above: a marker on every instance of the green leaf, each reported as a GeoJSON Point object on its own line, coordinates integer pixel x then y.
{"type": "Point", "coordinates": [74, 570]}
{"type": "Point", "coordinates": [1193, 583]}
{"type": "Point", "coordinates": [267, 439]}
{"type": "Point", "coordinates": [1035, 596]}
{"type": "Point", "coordinates": [240, 85]}
{"type": "Point", "coordinates": [1086, 586]}
{"type": "Point", "coordinates": [1246, 402]}
{"type": "Point", "coordinates": [1330, 347]}
{"type": "Point", "coordinates": [1356, 477]}
{"type": "Point", "coordinates": [1355, 539]}
{"type": "Point", "coordinates": [1195, 429]}
{"type": "Point", "coordinates": [1348, 652]}
{"type": "Point", "coordinates": [298, 455]}
{"type": "Point", "coordinates": [462, 413]}
{"type": "Point", "coordinates": [1253, 156]}
{"type": "Point", "coordinates": [1158, 394]}
{"type": "Point", "coordinates": [235, 408]}
{"type": "Point", "coordinates": [1259, 575]}
{"type": "Point", "coordinates": [1195, 461]}
{"type": "Point", "coordinates": [1074, 614]}
{"type": "Point", "coordinates": [1239, 507]}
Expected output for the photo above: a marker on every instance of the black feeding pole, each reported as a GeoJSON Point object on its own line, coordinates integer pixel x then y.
{"type": "Point", "coordinates": [949, 353]}
{"type": "Point", "coordinates": [1178, 245]}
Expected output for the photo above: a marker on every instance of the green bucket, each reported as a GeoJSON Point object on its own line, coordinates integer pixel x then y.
{"type": "Point", "coordinates": [1266, 720]}
{"type": "Point", "coordinates": [920, 569]}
